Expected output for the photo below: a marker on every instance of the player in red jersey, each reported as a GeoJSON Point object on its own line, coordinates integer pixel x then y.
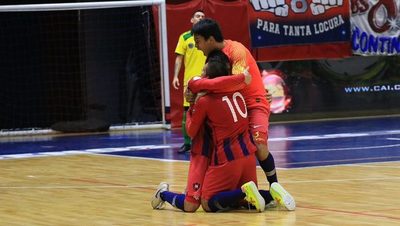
{"type": "Point", "coordinates": [232, 161]}
{"type": "Point", "coordinates": [208, 37]}
{"type": "Point", "coordinates": [230, 175]}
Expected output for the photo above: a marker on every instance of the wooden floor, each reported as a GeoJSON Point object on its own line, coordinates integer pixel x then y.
{"type": "Point", "coordinates": [108, 190]}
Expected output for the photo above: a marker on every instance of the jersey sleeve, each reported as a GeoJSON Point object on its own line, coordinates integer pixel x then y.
{"type": "Point", "coordinates": [221, 84]}
{"type": "Point", "coordinates": [196, 117]}
{"type": "Point", "coordinates": [180, 47]}
{"type": "Point", "coordinates": [238, 59]}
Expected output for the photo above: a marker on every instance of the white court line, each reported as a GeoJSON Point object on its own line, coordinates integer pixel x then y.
{"type": "Point", "coordinates": [366, 164]}
{"type": "Point", "coordinates": [344, 160]}
{"type": "Point", "coordinates": [88, 151]}
{"type": "Point", "coordinates": [340, 149]}
{"type": "Point", "coordinates": [145, 158]}
{"type": "Point", "coordinates": [336, 135]}
{"type": "Point", "coordinates": [151, 147]}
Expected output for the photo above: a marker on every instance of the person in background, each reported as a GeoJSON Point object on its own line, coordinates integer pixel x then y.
{"type": "Point", "coordinates": [193, 59]}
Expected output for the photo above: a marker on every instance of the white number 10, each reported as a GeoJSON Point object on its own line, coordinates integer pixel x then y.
{"type": "Point", "coordinates": [235, 97]}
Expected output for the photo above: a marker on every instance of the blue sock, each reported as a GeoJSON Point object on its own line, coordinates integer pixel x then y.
{"type": "Point", "coordinates": [266, 195]}
{"type": "Point", "coordinates": [268, 165]}
{"type": "Point", "coordinates": [176, 200]}
{"type": "Point", "coordinates": [224, 200]}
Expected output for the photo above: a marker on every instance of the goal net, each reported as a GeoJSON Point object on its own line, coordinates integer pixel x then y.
{"type": "Point", "coordinates": [83, 63]}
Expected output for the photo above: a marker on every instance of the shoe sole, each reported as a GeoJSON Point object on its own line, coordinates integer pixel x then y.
{"type": "Point", "coordinates": [251, 188]}
{"type": "Point", "coordinates": [282, 196]}
{"type": "Point", "coordinates": [183, 150]}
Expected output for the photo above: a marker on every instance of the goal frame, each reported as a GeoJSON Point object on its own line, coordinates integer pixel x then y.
{"type": "Point", "coordinates": [163, 51]}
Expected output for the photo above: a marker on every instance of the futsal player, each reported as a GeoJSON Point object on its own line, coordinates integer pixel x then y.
{"type": "Point", "coordinates": [208, 37]}
{"type": "Point", "coordinates": [193, 60]}
{"type": "Point", "coordinates": [230, 169]}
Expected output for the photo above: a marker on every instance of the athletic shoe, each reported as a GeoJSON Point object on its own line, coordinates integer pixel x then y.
{"type": "Point", "coordinates": [271, 205]}
{"type": "Point", "coordinates": [253, 196]}
{"type": "Point", "coordinates": [184, 148]}
{"type": "Point", "coordinates": [156, 201]}
{"type": "Point", "coordinates": [281, 196]}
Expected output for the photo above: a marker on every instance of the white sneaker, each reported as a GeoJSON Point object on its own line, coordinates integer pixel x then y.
{"type": "Point", "coordinates": [253, 196]}
{"type": "Point", "coordinates": [281, 196]}
{"type": "Point", "coordinates": [156, 201]}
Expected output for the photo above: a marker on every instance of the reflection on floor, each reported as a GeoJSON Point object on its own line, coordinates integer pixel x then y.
{"type": "Point", "coordinates": [304, 144]}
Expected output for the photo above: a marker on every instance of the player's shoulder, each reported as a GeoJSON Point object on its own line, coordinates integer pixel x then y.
{"type": "Point", "coordinates": [232, 43]}
{"type": "Point", "coordinates": [186, 35]}
{"type": "Point", "coordinates": [233, 47]}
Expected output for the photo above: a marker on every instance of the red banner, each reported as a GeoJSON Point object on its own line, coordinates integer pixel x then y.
{"type": "Point", "coordinates": [299, 29]}
{"type": "Point", "coordinates": [233, 19]}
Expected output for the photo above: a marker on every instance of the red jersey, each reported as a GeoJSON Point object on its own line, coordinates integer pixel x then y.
{"type": "Point", "coordinates": [240, 58]}
{"type": "Point", "coordinates": [225, 114]}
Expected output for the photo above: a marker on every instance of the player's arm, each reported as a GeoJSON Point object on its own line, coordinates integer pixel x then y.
{"type": "Point", "coordinates": [221, 84]}
{"type": "Point", "coordinates": [177, 68]}
{"type": "Point", "coordinates": [180, 52]}
{"type": "Point", "coordinates": [196, 117]}
{"type": "Point", "coordinates": [226, 83]}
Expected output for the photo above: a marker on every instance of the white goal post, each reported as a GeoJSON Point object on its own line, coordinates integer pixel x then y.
{"type": "Point", "coordinates": [163, 53]}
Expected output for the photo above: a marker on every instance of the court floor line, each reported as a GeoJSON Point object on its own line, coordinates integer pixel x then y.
{"type": "Point", "coordinates": [349, 212]}
{"type": "Point", "coordinates": [166, 146]}
{"type": "Point", "coordinates": [114, 185]}
{"type": "Point", "coordinates": [339, 149]}
{"type": "Point", "coordinates": [388, 158]}
{"type": "Point", "coordinates": [336, 135]}
{"type": "Point", "coordinates": [144, 158]}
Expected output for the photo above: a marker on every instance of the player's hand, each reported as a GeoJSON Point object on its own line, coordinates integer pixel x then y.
{"type": "Point", "coordinates": [175, 82]}
{"type": "Point", "coordinates": [247, 76]}
{"type": "Point", "coordinates": [200, 94]}
{"type": "Point", "coordinates": [189, 96]}
{"type": "Point", "coordinates": [269, 97]}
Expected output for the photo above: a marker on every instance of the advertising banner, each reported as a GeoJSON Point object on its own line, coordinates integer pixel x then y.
{"type": "Point", "coordinates": [362, 84]}
{"type": "Point", "coordinates": [375, 27]}
{"type": "Point", "coordinates": [291, 22]}
{"type": "Point", "coordinates": [304, 24]}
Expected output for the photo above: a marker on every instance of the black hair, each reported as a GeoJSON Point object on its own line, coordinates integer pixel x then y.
{"type": "Point", "coordinates": [217, 64]}
{"type": "Point", "coordinates": [197, 11]}
{"type": "Point", "coordinates": [207, 28]}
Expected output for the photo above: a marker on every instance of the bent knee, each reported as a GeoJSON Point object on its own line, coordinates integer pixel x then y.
{"type": "Point", "coordinates": [191, 207]}
{"type": "Point", "coordinates": [204, 205]}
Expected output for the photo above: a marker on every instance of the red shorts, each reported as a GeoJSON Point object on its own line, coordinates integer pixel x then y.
{"type": "Point", "coordinates": [259, 123]}
{"type": "Point", "coordinates": [197, 170]}
{"type": "Point", "coordinates": [229, 176]}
